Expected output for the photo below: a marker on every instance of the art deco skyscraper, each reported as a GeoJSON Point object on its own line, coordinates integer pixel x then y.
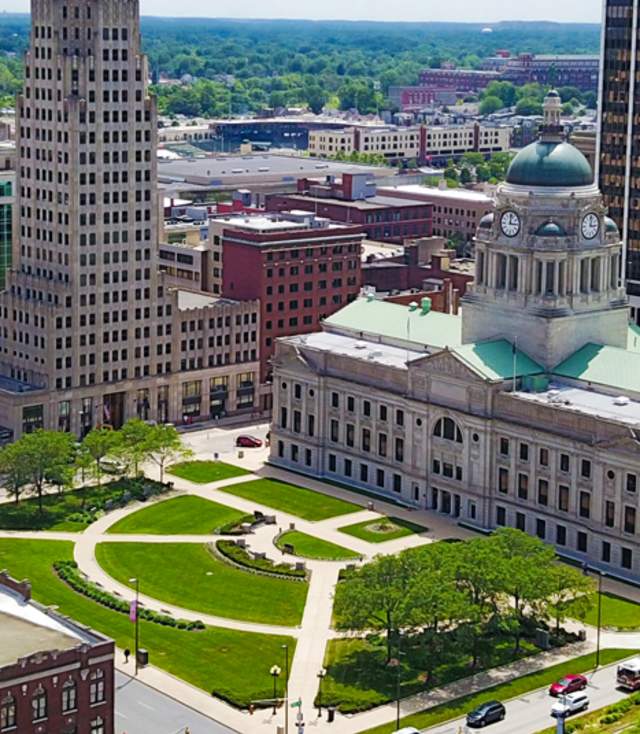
{"type": "Point", "coordinates": [618, 155]}
{"type": "Point", "coordinates": [87, 322]}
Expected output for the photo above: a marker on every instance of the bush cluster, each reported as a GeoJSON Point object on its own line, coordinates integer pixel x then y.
{"type": "Point", "coordinates": [68, 572]}
{"type": "Point", "coordinates": [242, 557]}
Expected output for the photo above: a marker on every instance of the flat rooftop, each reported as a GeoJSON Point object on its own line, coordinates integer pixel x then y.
{"type": "Point", "coordinates": [252, 169]}
{"type": "Point", "coordinates": [578, 400]}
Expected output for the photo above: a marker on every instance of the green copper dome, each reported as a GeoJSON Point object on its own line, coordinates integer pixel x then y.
{"type": "Point", "coordinates": [551, 229]}
{"type": "Point", "coordinates": [550, 163]}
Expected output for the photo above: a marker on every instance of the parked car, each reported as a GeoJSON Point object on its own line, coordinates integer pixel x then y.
{"type": "Point", "coordinates": [570, 704]}
{"type": "Point", "coordinates": [486, 713]}
{"type": "Point", "coordinates": [569, 684]}
{"type": "Point", "coordinates": [248, 442]}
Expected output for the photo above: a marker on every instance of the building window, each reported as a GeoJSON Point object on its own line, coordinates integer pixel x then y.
{"type": "Point", "coordinates": [541, 529]}
{"type": "Point", "coordinates": [501, 516]}
{"type": "Point", "coordinates": [582, 542]}
{"type": "Point", "coordinates": [630, 520]}
{"type": "Point", "coordinates": [606, 552]}
{"type": "Point", "coordinates": [503, 480]}
{"type": "Point", "coordinates": [609, 514]}
{"type": "Point", "coordinates": [563, 498]}
{"type": "Point", "coordinates": [631, 483]}
{"type": "Point", "coordinates": [39, 704]}
{"type": "Point", "coordinates": [585, 505]}
{"type": "Point", "coordinates": [523, 486]}
{"type": "Point", "coordinates": [504, 446]}
{"type": "Point", "coordinates": [69, 696]}
{"type": "Point", "coordinates": [543, 492]}
{"type": "Point", "coordinates": [448, 430]}
{"type": "Point", "coordinates": [544, 457]}
{"type": "Point", "coordinates": [96, 689]}
{"type": "Point", "coordinates": [524, 452]}
{"type": "Point", "coordinates": [564, 463]}
{"type": "Point", "coordinates": [521, 522]}
{"type": "Point", "coordinates": [561, 535]}
{"type": "Point", "coordinates": [8, 712]}
{"type": "Point", "coordinates": [626, 560]}
{"type": "Point", "coordinates": [585, 469]}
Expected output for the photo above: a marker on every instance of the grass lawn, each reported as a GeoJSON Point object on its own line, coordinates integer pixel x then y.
{"type": "Point", "coordinates": [190, 576]}
{"type": "Point", "coordinates": [623, 716]}
{"type": "Point", "coordinates": [304, 503]}
{"type": "Point", "coordinates": [359, 679]}
{"type": "Point", "coordinates": [386, 528]}
{"type": "Point", "coordinates": [186, 515]}
{"type": "Point", "coordinates": [204, 472]}
{"type": "Point", "coordinates": [309, 547]}
{"type": "Point", "coordinates": [219, 661]}
{"type": "Point", "coordinates": [617, 613]}
{"type": "Point", "coordinates": [57, 509]}
{"type": "Point", "coordinates": [503, 692]}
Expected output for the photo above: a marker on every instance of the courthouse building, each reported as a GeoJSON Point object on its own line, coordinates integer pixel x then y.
{"type": "Point", "coordinates": [523, 411]}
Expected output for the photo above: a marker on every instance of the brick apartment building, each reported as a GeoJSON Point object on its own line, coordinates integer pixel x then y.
{"type": "Point", "coordinates": [301, 268]}
{"type": "Point", "coordinates": [353, 200]}
{"type": "Point", "coordinates": [56, 677]}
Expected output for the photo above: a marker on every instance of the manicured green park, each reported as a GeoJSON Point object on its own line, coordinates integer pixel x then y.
{"type": "Point", "coordinates": [188, 575]}
{"type": "Point", "coordinates": [205, 472]}
{"type": "Point", "coordinates": [71, 511]}
{"type": "Point", "coordinates": [219, 661]}
{"type": "Point", "coordinates": [298, 501]}
{"type": "Point", "coordinates": [504, 692]}
{"type": "Point", "coordinates": [306, 546]}
{"type": "Point", "coordinates": [386, 528]}
{"type": "Point", "coordinates": [617, 613]}
{"type": "Point", "coordinates": [186, 515]}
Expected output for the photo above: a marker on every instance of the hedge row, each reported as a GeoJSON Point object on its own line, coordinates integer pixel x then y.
{"type": "Point", "coordinates": [68, 572]}
{"type": "Point", "coordinates": [242, 557]}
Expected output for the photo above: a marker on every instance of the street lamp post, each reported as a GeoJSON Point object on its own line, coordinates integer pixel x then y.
{"type": "Point", "coordinates": [321, 676]}
{"type": "Point", "coordinates": [136, 619]}
{"type": "Point", "coordinates": [275, 673]}
{"type": "Point", "coordinates": [286, 688]}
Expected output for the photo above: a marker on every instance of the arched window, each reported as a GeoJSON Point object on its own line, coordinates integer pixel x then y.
{"type": "Point", "coordinates": [69, 696]}
{"type": "Point", "coordinates": [7, 712]}
{"type": "Point", "coordinates": [446, 428]}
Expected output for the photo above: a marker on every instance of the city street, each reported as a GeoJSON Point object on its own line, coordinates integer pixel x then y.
{"type": "Point", "coordinates": [143, 710]}
{"type": "Point", "coordinates": [531, 713]}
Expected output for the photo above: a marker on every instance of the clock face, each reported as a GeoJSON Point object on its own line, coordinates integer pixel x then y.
{"type": "Point", "coordinates": [590, 226]}
{"type": "Point", "coordinates": [510, 224]}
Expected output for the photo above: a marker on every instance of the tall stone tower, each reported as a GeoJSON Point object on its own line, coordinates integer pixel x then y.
{"type": "Point", "coordinates": [88, 325]}
{"type": "Point", "coordinates": [548, 262]}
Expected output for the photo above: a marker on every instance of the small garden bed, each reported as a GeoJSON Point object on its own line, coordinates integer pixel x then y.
{"type": "Point", "coordinates": [242, 557]}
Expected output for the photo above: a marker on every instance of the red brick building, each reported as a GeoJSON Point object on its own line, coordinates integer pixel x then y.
{"type": "Point", "coordinates": [353, 200]}
{"type": "Point", "coordinates": [302, 269]}
{"type": "Point", "coordinates": [56, 677]}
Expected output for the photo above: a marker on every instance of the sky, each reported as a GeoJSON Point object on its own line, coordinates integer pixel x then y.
{"type": "Point", "coordinates": [399, 10]}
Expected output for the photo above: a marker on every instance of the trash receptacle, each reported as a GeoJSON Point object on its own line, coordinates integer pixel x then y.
{"type": "Point", "coordinates": [143, 657]}
{"type": "Point", "coordinates": [331, 714]}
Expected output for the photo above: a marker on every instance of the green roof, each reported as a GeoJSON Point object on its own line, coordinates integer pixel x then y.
{"type": "Point", "coordinates": [393, 321]}
{"type": "Point", "coordinates": [494, 360]}
{"type": "Point", "coordinates": [610, 366]}
{"type": "Point", "coordinates": [550, 164]}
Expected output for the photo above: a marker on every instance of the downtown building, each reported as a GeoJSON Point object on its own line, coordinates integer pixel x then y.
{"type": "Point", "coordinates": [523, 410]}
{"type": "Point", "coordinates": [91, 332]}
{"type": "Point", "coordinates": [618, 147]}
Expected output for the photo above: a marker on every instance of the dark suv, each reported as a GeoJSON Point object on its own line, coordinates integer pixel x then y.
{"type": "Point", "coordinates": [486, 713]}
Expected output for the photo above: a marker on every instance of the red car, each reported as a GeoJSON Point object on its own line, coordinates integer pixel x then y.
{"type": "Point", "coordinates": [248, 442]}
{"type": "Point", "coordinates": [569, 684]}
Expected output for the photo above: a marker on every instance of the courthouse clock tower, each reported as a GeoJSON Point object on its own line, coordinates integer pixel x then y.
{"type": "Point", "coordinates": [548, 262]}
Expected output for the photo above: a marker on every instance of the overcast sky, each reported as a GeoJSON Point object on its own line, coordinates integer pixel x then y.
{"type": "Point", "coordinates": [401, 10]}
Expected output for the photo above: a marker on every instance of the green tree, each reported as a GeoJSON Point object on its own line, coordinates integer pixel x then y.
{"type": "Point", "coordinates": [99, 444]}
{"type": "Point", "coordinates": [489, 105]}
{"type": "Point", "coordinates": [165, 445]}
